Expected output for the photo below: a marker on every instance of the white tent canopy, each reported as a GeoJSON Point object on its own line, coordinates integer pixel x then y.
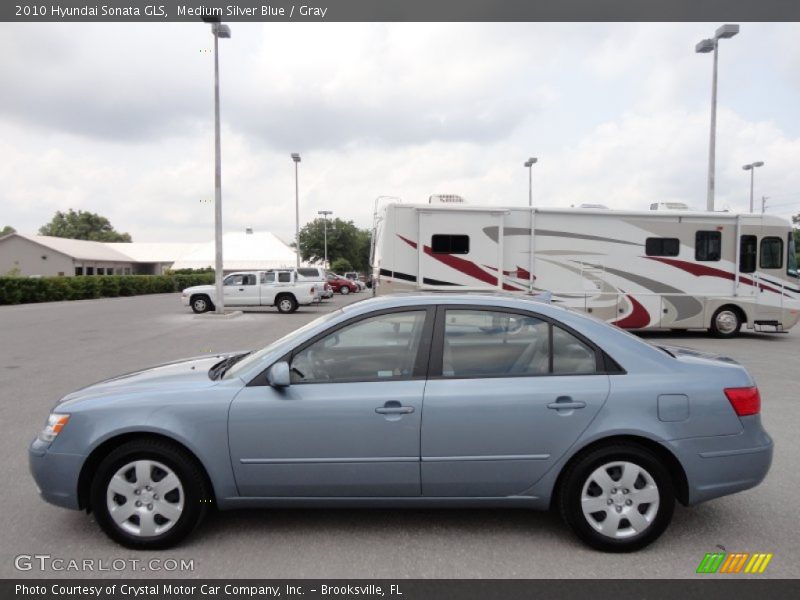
{"type": "Point", "coordinates": [241, 251]}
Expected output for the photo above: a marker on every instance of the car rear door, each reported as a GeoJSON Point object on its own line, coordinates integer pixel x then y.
{"type": "Point", "coordinates": [508, 394]}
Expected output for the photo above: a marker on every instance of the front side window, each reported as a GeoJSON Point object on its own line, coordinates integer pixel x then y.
{"type": "Point", "coordinates": [450, 244]}
{"type": "Point", "coordinates": [747, 254]}
{"type": "Point", "coordinates": [771, 253]}
{"type": "Point", "coordinates": [708, 245]}
{"type": "Point", "coordinates": [791, 257]}
{"type": "Point", "coordinates": [240, 279]}
{"type": "Point", "coordinates": [383, 347]}
{"type": "Point", "coordinates": [662, 246]}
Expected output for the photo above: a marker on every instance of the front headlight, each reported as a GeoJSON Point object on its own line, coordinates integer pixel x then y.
{"type": "Point", "coordinates": [55, 423]}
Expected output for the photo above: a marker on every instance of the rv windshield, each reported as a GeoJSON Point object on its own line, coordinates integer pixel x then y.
{"type": "Point", "coordinates": [791, 262]}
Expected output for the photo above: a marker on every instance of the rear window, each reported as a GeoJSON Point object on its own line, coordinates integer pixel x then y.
{"type": "Point", "coordinates": [450, 244]}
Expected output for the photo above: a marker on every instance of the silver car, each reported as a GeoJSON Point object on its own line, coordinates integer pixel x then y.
{"type": "Point", "coordinates": [410, 401]}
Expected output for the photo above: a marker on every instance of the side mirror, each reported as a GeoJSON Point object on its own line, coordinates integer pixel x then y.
{"type": "Point", "coordinates": [278, 375]}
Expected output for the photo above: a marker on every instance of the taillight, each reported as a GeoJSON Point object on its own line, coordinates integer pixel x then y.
{"type": "Point", "coordinates": [745, 401]}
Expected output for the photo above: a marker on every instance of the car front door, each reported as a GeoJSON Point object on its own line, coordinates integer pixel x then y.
{"type": "Point", "coordinates": [508, 394]}
{"type": "Point", "coordinates": [349, 423]}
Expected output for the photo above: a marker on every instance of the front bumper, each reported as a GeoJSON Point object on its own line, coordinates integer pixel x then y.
{"type": "Point", "coordinates": [56, 475]}
{"type": "Point", "coordinates": [721, 465]}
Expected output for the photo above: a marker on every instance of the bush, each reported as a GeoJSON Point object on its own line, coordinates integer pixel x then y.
{"type": "Point", "coordinates": [21, 290]}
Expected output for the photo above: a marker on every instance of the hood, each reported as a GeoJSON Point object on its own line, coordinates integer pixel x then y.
{"type": "Point", "coordinates": [191, 373]}
{"type": "Point", "coordinates": [198, 288]}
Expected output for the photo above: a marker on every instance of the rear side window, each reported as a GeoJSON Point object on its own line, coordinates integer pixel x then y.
{"type": "Point", "coordinates": [708, 245]}
{"type": "Point", "coordinates": [771, 253]}
{"type": "Point", "coordinates": [284, 277]}
{"type": "Point", "coordinates": [662, 246]}
{"type": "Point", "coordinates": [450, 244]}
{"type": "Point", "coordinates": [747, 254]}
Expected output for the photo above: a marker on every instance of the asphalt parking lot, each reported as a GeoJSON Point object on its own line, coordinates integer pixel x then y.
{"type": "Point", "coordinates": [47, 350]}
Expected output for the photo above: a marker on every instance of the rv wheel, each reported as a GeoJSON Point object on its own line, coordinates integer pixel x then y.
{"type": "Point", "coordinates": [726, 322]}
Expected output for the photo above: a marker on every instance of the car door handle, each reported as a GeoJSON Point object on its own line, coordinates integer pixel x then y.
{"type": "Point", "coordinates": [566, 403]}
{"type": "Point", "coordinates": [394, 408]}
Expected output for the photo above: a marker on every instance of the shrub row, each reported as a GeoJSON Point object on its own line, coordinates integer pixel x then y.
{"type": "Point", "coordinates": [20, 290]}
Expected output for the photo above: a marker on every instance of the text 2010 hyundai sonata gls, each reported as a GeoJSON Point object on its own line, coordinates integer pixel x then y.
{"type": "Point", "coordinates": [419, 400]}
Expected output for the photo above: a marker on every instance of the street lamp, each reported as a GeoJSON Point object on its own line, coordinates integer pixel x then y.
{"type": "Point", "coordinates": [218, 30]}
{"type": "Point", "coordinates": [703, 47]}
{"type": "Point", "coordinates": [296, 159]}
{"type": "Point", "coordinates": [529, 163]}
{"type": "Point", "coordinates": [752, 168]}
{"type": "Point", "coordinates": [325, 214]}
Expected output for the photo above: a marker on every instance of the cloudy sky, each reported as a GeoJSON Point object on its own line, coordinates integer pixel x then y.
{"type": "Point", "coordinates": [118, 119]}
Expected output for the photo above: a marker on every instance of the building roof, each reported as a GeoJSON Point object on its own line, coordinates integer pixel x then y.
{"type": "Point", "coordinates": [80, 249]}
{"type": "Point", "coordinates": [258, 250]}
{"type": "Point", "coordinates": [154, 252]}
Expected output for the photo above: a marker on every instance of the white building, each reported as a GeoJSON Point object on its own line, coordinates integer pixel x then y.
{"type": "Point", "coordinates": [39, 255]}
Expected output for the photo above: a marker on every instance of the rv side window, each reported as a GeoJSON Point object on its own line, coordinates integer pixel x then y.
{"type": "Point", "coordinates": [450, 244]}
{"type": "Point", "coordinates": [771, 253]}
{"type": "Point", "coordinates": [662, 246]}
{"type": "Point", "coordinates": [707, 245]}
{"type": "Point", "coordinates": [747, 254]}
{"type": "Point", "coordinates": [791, 256]}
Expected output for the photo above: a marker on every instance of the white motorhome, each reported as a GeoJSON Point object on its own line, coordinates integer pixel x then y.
{"type": "Point", "coordinates": [639, 270]}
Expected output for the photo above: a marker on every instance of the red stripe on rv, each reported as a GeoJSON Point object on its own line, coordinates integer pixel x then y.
{"type": "Point", "coordinates": [459, 264]}
{"type": "Point", "coordinates": [638, 318]}
{"type": "Point", "coordinates": [703, 270]}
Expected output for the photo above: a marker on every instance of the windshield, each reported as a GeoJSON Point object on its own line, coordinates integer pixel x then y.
{"type": "Point", "coordinates": [791, 262]}
{"type": "Point", "coordinates": [254, 357]}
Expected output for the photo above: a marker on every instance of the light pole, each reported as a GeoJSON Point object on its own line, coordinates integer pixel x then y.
{"type": "Point", "coordinates": [752, 168]}
{"type": "Point", "coordinates": [529, 163]}
{"type": "Point", "coordinates": [218, 30]}
{"type": "Point", "coordinates": [704, 46]}
{"type": "Point", "coordinates": [296, 159]}
{"type": "Point", "coordinates": [325, 214]}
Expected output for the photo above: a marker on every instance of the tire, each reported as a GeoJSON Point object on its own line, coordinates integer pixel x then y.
{"type": "Point", "coordinates": [286, 303]}
{"type": "Point", "coordinates": [344, 290]}
{"type": "Point", "coordinates": [726, 322]}
{"type": "Point", "coordinates": [159, 465]}
{"type": "Point", "coordinates": [201, 304]}
{"type": "Point", "coordinates": [651, 497]}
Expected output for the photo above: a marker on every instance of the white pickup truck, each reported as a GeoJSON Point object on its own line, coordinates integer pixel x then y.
{"type": "Point", "coordinates": [280, 289]}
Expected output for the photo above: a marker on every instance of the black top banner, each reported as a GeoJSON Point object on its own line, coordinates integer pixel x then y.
{"type": "Point", "coordinates": [402, 10]}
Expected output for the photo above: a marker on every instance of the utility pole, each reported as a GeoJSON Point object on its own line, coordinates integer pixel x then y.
{"type": "Point", "coordinates": [764, 204]}
{"type": "Point", "coordinates": [325, 214]}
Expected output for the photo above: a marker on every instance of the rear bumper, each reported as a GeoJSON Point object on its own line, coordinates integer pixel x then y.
{"type": "Point", "coordinates": [722, 465]}
{"type": "Point", "coordinates": [56, 475]}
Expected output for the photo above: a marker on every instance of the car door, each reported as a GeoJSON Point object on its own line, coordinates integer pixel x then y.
{"type": "Point", "coordinates": [240, 289]}
{"type": "Point", "coordinates": [267, 289]}
{"type": "Point", "coordinates": [349, 423]}
{"type": "Point", "coordinates": [508, 394]}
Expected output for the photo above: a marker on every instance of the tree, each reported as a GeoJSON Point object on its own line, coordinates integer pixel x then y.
{"type": "Point", "coordinates": [83, 225]}
{"type": "Point", "coordinates": [796, 232]}
{"type": "Point", "coordinates": [341, 265]}
{"type": "Point", "coordinates": [345, 240]}
{"type": "Point", "coordinates": [6, 230]}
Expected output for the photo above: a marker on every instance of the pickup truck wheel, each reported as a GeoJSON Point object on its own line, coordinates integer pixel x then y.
{"type": "Point", "coordinates": [286, 303]}
{"type": "Point", "coordinates": [344, 290]}
{"type": "Point", "coordinates": [201, 304]}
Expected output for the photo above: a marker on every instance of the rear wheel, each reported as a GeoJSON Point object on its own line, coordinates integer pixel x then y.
{"type": "Point", "coordinates": [617, 498]}
{"type": "Point", "coordinates": [286, 303]}
{"type": "Point", "coordinates": [201, 304]}
{"type": "Point", "coordinates": [149, 494]}
{"type": "Point", "coordinates": [344, 290]}
{"type": "Point", "coordinates": [727, 322]}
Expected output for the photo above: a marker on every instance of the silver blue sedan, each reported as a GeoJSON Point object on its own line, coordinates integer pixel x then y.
{"type": "Point", "coordinates": [410, 401]}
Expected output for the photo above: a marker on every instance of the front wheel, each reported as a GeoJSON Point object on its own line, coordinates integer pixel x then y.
{"type": "Point", "coordinates": [149, 494]}
{"type": "Point", "coordinates": [726, 322]}
{"type": "Point", "coordinates": [617, 498]}
{"type": "Point", "coordinates": [344, 290]}
{"type": "Point", "coordinates": [201, 304]}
